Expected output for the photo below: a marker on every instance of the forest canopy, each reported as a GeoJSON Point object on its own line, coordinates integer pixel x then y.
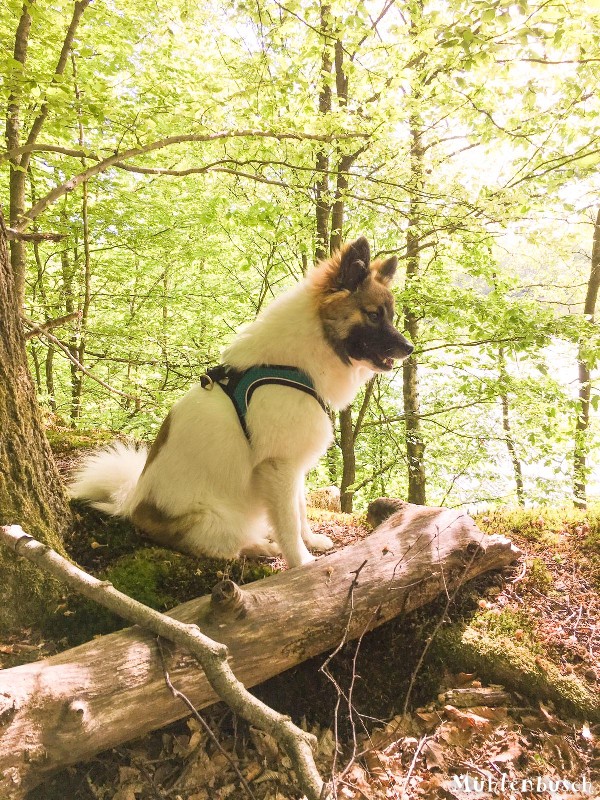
{"type": "Point", "coordinates": [197, 158]}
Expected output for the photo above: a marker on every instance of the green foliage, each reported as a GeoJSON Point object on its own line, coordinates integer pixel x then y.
{"type": "Point", "coordinates": [194, 238]}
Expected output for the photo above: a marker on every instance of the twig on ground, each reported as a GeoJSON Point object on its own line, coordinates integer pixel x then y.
{"type": "Point", "coordinates": [185, 700]}
{"type": "Point", "coordinates": [418, 749]}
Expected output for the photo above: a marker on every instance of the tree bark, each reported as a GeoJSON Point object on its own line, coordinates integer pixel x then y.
{"type": "Point", "coordinates": [84, 292]}
{"type": "Point", "coordinates": [31, 491]}
{"type": "Point", "coordinates": [506, 426]}
{"type": "Point", "coordinates": [348, 460]}
{"type": "Point", "coordinates": [415, 444]}
{"type": "Point", "coordinates": [64, 709]}
{"type": "Point", "coordinates": [582, 421]}
{"type": "Point", "coordinates": [17, 176]}
{"type": "Point", "coordinates": [348, 433]}
{"type": "Point", "coordinates": [19, 161]}
{"type": "Point", "coordinates": [323, 203]}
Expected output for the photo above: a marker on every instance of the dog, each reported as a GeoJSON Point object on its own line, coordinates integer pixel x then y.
{"type": "Point", "coordinates": [222, 480]}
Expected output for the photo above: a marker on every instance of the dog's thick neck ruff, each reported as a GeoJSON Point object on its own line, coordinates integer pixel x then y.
{"type": "Point", "coordinates": [336, 326]}
{"type": "Point", "coordinates": [240, 385]}
{"type": "Point", "coordinates": [289, 332]}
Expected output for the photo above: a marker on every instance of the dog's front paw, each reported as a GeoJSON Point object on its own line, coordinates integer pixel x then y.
{"type": "Point", "coordinates": [318, 541]}
{"type": "Point", "coordinates": [262, 547]}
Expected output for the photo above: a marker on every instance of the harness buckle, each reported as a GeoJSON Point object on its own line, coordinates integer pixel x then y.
{"type": "Point", "coordinates": [207, 382]}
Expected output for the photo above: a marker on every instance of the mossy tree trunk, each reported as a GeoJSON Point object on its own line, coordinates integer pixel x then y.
{"type": "Point", "coordinates": [31, 492]}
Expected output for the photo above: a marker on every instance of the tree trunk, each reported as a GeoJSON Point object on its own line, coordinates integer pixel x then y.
{"type": "Point", "coordinates": [415, 445]}
{"type": "Point", "coordinates": [79, 337]}
{"type": "Point", "coordinates": [508, 436]}
{"type": "Point", "coordinates": [19, 164]}
{"type": "Point", "coordinates": [348, 460]}
{"type": "Point", "coordinates": [31, 492]}
{"type": "Point", "coordinates": [348, 433]}
{"type": "Point", "coordinates": [17, 176]}
{"type": "Point", "coordinates": [323, 204]}
{"type": "Point", "coordinates": [64, 709]}
{"type": "Point", "coordinates": [582, 421]}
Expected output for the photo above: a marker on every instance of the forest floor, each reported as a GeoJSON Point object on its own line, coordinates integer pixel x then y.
{"type": "Point", "coordinates": [456, 736]}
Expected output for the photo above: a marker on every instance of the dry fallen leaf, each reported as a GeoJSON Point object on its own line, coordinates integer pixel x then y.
{"type": "Point", "coordinates": [511, 751]}
{"type": "Point", "coordinates": [265, 744]}
{"type": "Point", "coordinates": [357, 778]}
{"type": "Point", "coordinates": [376, 764]}
{"type": "Point", "coordinates": [326, 744]}
{"type": "Point", "coordinates": [496, 715]}
{"type": "Point", "coordinates": [397, 728]}
{"type": "Point", "coordinates": [430, 720]}
{"type": "Point", "coordinates": [455, 736]}
{"type": "Point", "coordinates": [434, 755]}
{"type": "Point", "coordinates": [466, 719]}
{"type": "Point", "coordinates": [128, 792]}
{"type": "Point", "coordinates": [252, 771]}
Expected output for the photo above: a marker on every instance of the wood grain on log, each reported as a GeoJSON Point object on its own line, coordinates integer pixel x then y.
{"type": "Point", "coordinates": [93, 697]}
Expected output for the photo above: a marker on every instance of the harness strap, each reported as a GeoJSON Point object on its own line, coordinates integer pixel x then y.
{"type": "Point", "coordinates": [240, 385]}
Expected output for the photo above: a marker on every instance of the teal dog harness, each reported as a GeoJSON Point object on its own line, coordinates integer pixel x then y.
{"type": "Point", "coordinates": [240, 385]}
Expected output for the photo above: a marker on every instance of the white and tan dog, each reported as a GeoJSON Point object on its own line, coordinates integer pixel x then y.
{"type": "Point", "coordinates": [207, 487]}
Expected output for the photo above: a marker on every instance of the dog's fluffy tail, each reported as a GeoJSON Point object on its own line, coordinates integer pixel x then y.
{"type": "Point", "coordinates": [107, 478]}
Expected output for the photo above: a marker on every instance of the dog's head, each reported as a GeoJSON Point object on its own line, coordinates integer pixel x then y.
{"type": "Point", "coordinates": [356, 307]}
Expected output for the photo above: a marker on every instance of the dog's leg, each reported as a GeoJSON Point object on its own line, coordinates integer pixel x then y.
{"type": "Point", "coordinates": [316, 541]}
{"type": "Point", "coordinates": [276, 480]}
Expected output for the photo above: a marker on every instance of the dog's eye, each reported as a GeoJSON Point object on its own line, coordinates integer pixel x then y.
{"type": "Point", "coordinates": [374, 316]}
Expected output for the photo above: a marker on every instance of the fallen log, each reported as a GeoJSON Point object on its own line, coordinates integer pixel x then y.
{"type": "Point", "coordinates": [67, 708]}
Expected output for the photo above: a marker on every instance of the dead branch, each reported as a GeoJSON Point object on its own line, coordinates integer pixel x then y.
{"type": "Point", "coordinates": [36, 236]}
{"type": "Point", "coordinates": [211, 655]}
{"type": "Point", "coordinates": [36, 328]}
{"type": "Point", "coordinates": [85, 370]}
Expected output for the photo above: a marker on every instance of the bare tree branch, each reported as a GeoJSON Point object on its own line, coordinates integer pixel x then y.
{"type": "Point", "coordinates": [43, 327]}
{"type": "Point", "coordinates": [110, 161]}
{"type": "Point", "coordinates": [180, 173]}
{"type": "Point", "coordinates": [37, 236]}
{"type": "Point", "coordinates": [80, 366]}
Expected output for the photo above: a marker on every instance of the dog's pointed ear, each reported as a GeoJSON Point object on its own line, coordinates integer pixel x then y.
{"type": "Point", "coordinates": [354, 264]}
{"type": "Point", "coordinates": [386, 271]}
